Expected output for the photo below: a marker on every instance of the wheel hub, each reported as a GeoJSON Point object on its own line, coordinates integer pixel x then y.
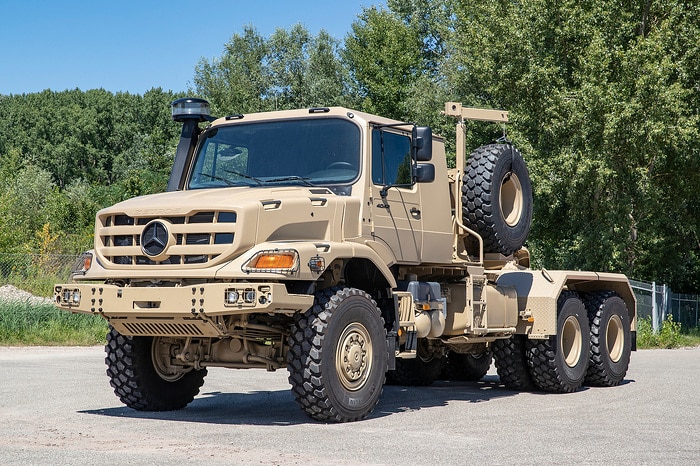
{"type": "Point", "coordinates": [354, 356]}
{"type": "Point", "coordinates": [511, 199]}
{"type": "Point", "coordinates": [571, 341]}
{"type": "Point", "coordinates": [162, 354]}
{"type": "Point", "coordinates": [614, 338]}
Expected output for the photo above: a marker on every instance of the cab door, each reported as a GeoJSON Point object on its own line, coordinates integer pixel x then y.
{"type": "Point", "coordinates": [396, 209]}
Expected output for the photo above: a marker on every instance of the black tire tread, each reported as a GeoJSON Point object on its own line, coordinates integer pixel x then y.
{"type": "Point", "coordinates": [511, 364]}
{"type": "Point", "coordinates": [598, 375]}
{"type": "Point", "coordinates": [542, 358]}
{"type": "Point", "coordinates": [480, 206]}
{"type": "Point", "coordinates": [135, 382]}
{"type": "Point", "coordinates": [467, 367]}
{"type": "Point", "coordinates": [306, 350]}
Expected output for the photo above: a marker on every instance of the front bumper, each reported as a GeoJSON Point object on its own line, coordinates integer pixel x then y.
{"type": "Point", "coordinates": [177, 311]}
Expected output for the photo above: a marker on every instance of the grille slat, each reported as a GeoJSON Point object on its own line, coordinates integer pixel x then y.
{"type": "Point", "coordinates": [171, 329]}
{"type": "Point", "coordinates": [122, 231]}
{"type": "Point", "coordinates": [198, 238]}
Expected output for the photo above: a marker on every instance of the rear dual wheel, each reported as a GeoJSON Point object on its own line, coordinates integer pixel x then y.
{"type": "Point", "coordinates": [560, 362]}
{"type": "Point", "coordinates": [611, 340]}
{"type": "Point", "coordinates": [423, 370]}
{"type": "Point", "coordinates": [556, 364]}
{"type": "Point", "coordinates": [510, 358]}
{"type": "Point", "coordinates": [467, 367]}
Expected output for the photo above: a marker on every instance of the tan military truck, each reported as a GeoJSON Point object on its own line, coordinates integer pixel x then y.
{"type": "Point", "coordinates": [339, 245]}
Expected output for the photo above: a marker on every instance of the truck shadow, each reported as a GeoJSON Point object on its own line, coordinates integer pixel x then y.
{"type": "Point", "coordinates": [278, 407]}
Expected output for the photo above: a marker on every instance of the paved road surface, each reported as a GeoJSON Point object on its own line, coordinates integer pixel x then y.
{"type": "Point", "coordinates": [56, 407]}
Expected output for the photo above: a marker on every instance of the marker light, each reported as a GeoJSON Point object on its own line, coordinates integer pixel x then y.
{"type": "Point", "coordinates": [277, 260]}
{"type": "Point", "coordinates": [82, 265]}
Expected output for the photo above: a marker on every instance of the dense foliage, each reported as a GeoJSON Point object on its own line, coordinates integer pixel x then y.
{"type": "Point", "coordinates": [64, 155]}
{"type": "Point", "coordinates": [604, 99]}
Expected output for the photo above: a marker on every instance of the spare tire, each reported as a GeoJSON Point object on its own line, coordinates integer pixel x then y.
{"type": "Point", "coordinates": [497, 197]}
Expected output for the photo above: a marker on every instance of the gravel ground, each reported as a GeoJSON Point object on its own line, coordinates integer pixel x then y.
{"type": "Point", "coordinates": [9, 293]}
{"type": "Point", "coordinates": [56, 407]}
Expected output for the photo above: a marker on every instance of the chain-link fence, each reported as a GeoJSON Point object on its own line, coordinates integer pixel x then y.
{"type": "Point", "coordinates": [36, 273]}
{"type": "Point", "coordinates": [657, 302]}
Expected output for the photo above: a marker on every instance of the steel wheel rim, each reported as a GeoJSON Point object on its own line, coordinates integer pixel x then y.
{"type": "Point", "coordinates": [354, 356]}
{"type": "Point", "coordinates": [571, 341]}
{"type": "Point", "coordinates": [614, 338]}
{"type": "Point", "coordinates": [511, 199]}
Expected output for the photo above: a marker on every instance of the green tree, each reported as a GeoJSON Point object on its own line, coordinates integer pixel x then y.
{"type": "Point", "coordinates": [605, 106]}
{"type": "Point", "coordinates": [238, 81]}
{"type": "Point", "coordinates": [290, 69]}
{"type": "Point", "coordinates": [384, 55]}
{"type": "Point", "coordinates": [64, 155]}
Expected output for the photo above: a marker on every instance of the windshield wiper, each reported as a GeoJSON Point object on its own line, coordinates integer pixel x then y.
{"type": "Point", "coordinates": [291, 178]}
{"type": "Point", "coordinates": [218, 178]}
{"type": "Point", "coordinates": [242, 175]}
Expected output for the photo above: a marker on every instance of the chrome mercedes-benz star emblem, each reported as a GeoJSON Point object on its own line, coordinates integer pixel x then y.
{"type": "Point", "coordinates": [154, 239]}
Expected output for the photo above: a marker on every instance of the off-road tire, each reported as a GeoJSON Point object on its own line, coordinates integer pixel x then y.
{"type": "Point", "coordinates": [467, 367]}
{"type": "Point", "coordinates": [497, 197]}
{"type": "Point", "coordinates": [611, 339]}
{"type": "Point", "coordinates": [510, 359]}
{"type": "Point", "coordinates": [418, 372]}
{"type": "Point", "coordinates": [136, 381]}
{"type": "Point", "coordinates": [559, 363]}
{"type": "Point", "coordinates": [338, 356]}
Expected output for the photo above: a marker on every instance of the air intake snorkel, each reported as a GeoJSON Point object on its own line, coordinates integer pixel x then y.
{"type": "Point", "coordinates": [190, 112]}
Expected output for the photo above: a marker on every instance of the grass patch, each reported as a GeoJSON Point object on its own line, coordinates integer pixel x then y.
{"type": "Point", "coordinates": [28, 324]}
{"type": "Point", "coordinates": [670, 335]}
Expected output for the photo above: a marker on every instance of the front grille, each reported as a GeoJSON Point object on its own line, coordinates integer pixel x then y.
{"type": "Point", "coordinates": [197, 238]}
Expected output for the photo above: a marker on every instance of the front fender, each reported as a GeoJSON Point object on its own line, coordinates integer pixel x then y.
{"type": "Point", "coordinates": [328, 251]}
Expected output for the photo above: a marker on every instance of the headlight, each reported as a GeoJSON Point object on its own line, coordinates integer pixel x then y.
{"type": "Point", "coordinates": [249, 296]}
{"type": "Point", "coordinates": [231, 296]}
{"type": "Point", "coordinates": [69, 296]}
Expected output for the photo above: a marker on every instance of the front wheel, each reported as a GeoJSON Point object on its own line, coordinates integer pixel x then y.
{"type": "Point", "coordinates": [338, 356]}
{"type": "Point", "coordinates": [141, 372]}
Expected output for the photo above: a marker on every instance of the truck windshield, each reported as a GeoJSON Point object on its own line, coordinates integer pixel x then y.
{"type": "Point", "coordinates": [310, 151]}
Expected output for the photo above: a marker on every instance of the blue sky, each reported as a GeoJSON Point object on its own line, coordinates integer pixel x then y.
{"type": "Point", "coordinates": [132, 46]}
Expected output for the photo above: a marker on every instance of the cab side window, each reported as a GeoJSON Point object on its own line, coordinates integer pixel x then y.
{"type": "Point", "coordinates": [392, 165]}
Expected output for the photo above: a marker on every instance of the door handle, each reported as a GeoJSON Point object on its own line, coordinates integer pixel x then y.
{"type": "Point", "coordinates": [415, 212]}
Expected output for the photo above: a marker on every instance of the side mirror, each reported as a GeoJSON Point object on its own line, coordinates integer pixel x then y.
{"type": "Point", "coordinates": [424, 173]}
{"type": "Point", "coordinates": [423, 143]}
